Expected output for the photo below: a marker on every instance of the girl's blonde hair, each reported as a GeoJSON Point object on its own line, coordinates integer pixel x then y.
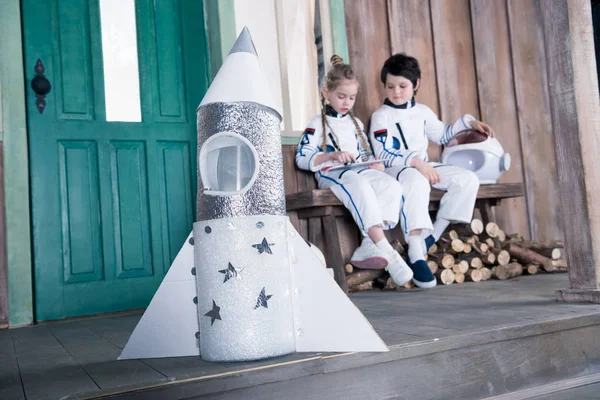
{"type": "Point", "coordinates": [338, 71]}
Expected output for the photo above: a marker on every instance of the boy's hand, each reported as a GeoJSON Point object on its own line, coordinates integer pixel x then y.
{"type": "Point", "coordinates": [427, 170]}
{"type": "Point", "coordinates": [483, 128]}
{"type": "Point", "coordinates": [378, 166]}
{"type": "Point", "coordinates": [341, 156]}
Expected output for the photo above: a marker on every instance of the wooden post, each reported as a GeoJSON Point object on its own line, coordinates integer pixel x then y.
{"type": "Point", "coordinates": [573, 89]}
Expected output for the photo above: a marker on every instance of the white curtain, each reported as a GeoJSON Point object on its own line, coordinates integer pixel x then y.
{"type": "Point", "coordinates": [299, 56]}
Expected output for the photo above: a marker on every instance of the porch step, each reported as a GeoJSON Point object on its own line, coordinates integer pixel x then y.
{"type": "Point", "coordinates": [514, 360]}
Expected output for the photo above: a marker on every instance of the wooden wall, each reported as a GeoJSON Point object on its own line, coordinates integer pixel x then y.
{"type": "Point", "coordinates": [479, 57]}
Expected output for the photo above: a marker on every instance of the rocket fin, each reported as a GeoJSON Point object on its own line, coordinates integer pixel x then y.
{"type": "Point", "coordinates": [325, 318]}
{"type": "Point", "coordinates": [169, 324]}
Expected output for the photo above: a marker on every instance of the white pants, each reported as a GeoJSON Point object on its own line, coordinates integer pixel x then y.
{"type": "Point", "coordinates": [372, 197]}
{"type": "Point", "coordinates": [456, 205]}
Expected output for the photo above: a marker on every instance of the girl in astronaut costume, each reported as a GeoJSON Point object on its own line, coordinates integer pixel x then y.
{"type": "Point", "coordinates": [336, 138]}
{"type": "Point", "coordinates": [399, 133]}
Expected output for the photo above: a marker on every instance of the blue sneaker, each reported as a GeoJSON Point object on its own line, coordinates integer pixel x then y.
{"type": "Point", "coordinates": [422, 276]}
{"type": "Point", "coordinates": [429, 241]}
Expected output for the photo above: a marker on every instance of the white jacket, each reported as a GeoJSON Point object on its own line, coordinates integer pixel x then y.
{"type": "Point", "coordinates": [343, 138]}
{"type": "Point", "coordinates": [400, 133]}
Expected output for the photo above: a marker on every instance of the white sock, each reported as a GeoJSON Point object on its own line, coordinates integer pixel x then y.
{"type": "Point", "coordinates": [439, 226]}
{"type": "Point", "coordinates": [385, 246]}
{"type": "Point", "coordinates": [415, 248]}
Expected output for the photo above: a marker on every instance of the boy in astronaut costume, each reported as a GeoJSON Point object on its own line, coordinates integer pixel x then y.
{"type": "Point", "coordinates": [399, 133]}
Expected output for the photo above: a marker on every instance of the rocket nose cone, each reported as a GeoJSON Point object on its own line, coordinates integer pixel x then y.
{"type": "Point", "coordinates": [244, 43]}
{"type": "Point", "coordinates": [241, 79]}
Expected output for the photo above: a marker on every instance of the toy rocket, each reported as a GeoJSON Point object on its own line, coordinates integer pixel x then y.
{"type": "Point", "coordinates": [245, 286]}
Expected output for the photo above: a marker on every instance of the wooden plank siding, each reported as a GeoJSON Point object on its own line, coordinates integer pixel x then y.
{"type": "Point", "coordinates": [497, 100]}
{"type": "Point", "coordinates": [477, 59]}
{"type": "Point", "coordinates": [455, 62]}
{"type": "Point", "coordinates": [535, 122]}
{"type": "Point", "coordinates": [368, 46]}
{"type": "Point", "coordinates": [410, 33]}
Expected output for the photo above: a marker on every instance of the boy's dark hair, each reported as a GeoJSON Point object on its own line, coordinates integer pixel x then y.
{"type": "Point", "coordinates": [401, 65]}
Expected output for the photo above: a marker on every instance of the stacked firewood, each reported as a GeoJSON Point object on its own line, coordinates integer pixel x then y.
{"type": "Point", "coordinates": [473, 253]}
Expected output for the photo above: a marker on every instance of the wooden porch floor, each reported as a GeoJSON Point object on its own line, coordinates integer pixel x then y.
{"type": "Point", "coordinates": [52, 360]}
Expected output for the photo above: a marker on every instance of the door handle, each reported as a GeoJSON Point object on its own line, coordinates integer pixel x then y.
{"type": "Point", "coordinates": [41, 86]}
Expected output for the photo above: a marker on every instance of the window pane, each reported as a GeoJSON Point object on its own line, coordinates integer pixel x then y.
{"type": "Point", "coordinates": [119, 52]}
{"type": "Point", "coordinates": [228, 164]}
{"type": "Point", "coordinates": [235, 167]}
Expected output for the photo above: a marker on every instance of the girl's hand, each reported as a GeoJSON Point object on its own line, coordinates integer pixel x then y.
{"type": "Point", "coordinates": [483, 128]}
{"type": "Point", "coordinates": [342, 157]}
{"type": "Point", "coordinates": [378, 166]}
{"type": "Point", "coordinates": [427, 170]}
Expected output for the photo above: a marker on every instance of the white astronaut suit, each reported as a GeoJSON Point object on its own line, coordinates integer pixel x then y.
{"type": "Point", "coordinates": [399, 133]}
{"type": "Point", "coordinates": [372, 197]}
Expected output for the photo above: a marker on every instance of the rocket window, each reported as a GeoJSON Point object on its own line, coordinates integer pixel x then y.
{"type": "Point", "coordinates": [228, 164]}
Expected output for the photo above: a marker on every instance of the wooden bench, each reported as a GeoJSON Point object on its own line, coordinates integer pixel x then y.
{"type": "Point", "coordinates": [314, 212]}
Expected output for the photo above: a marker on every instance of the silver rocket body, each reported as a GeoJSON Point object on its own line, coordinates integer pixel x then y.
{"type": "Point", "coordinates": [259, 125]}
{"type": "Point", "coordinates": [240, 239]}
{"type": "Point", "coordinates": [251, 287]}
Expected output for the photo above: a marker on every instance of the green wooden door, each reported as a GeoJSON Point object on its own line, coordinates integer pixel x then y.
{"type": "Point", "coordinates": [112, 201]}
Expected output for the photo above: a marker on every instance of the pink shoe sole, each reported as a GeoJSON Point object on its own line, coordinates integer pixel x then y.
{"type": "Point", "coordinates": [371, 263]}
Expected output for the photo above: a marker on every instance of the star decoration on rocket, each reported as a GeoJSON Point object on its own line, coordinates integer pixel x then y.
{"type": "Point", "coordinates": [262, 300]}
{"type": "Point", "coordinates": [214, 314]}
{"type": "Point", "coordinates": [264, 246]}
{"type": "Point", "coordinates": [231, 272]}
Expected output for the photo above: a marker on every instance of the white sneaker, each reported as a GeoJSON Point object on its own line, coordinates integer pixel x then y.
{"type": "Point", "coordinates": [399, 270]}
{"type": "Point", "coordinates": [369, 256]}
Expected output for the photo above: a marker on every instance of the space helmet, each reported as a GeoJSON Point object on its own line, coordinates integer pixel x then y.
{"type": "Point", "coordinates": [477, 152]}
